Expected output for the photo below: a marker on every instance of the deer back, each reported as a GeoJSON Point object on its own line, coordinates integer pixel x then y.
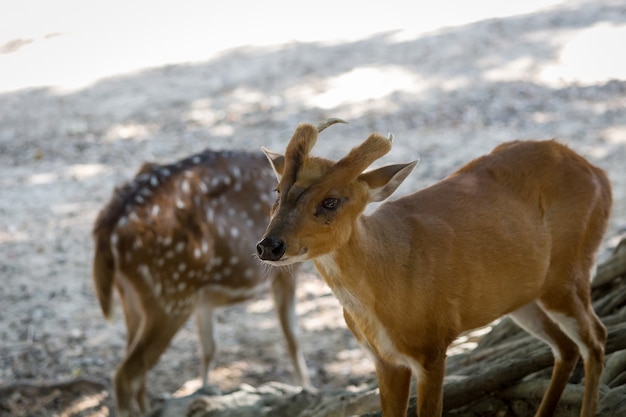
{"type": "Point", "coordinates": [175, 229]}
{"type": "Point", "coordinates": [502, 222]}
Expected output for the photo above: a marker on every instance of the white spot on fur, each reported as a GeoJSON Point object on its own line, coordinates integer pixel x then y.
{"type": "Point", "coordinates": [155, 210]}
{"type": "Point", "coordinates": [197, 253]}
{"type": "Point", "coordinates": [234, 232]}
{"type": "Point", "coordinates": [144, 271]}
{"type": "Point", "coordinates": [180, 246]}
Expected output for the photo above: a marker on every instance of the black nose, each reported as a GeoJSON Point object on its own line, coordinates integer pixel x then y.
{"type": "Point", "coordinates": [271, 249]}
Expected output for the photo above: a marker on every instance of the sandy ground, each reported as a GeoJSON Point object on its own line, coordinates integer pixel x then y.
{"type": "Point", "coordinates": [71, 128]}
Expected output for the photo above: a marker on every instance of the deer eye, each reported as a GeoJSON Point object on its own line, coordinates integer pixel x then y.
{"type": "Point", "coordinates": [330, 203]}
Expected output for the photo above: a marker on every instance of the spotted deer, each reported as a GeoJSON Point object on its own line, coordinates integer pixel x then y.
{"type": "Point", "coordinates": [513, 233]}
{"type": "Point", "coordinates": [179, 239]}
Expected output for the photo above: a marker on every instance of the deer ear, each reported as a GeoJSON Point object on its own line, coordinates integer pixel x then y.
{"type": "Point", "coordinates": [382, 182]}
{"type": "Point", "coordinates": [276, 160]}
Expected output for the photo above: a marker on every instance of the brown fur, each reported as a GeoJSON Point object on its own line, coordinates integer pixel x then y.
{"type": "Point", "coordinates": [514, 232]}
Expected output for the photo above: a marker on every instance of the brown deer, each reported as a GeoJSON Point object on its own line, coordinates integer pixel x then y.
{"type": "Point", "coordinates": [179, 239]}
{"type": "Point", "coordinates": [511, 233]}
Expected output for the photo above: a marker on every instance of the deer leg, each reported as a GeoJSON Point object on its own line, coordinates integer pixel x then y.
{"type": "Point", "coordinates": [394, 383]}
{"type": "Point", "coordinates": [430, 372]}
{"type": "Point", "coordinates": [284, 294]}
{"type": "Point", "coordinates": [580, 323]}
{"type": "Point", "coordinates": [152, 338]}
{"type": "Point", "coordinates": [205, 322]}
{"type": "Point", "coordinates": [536, 322]}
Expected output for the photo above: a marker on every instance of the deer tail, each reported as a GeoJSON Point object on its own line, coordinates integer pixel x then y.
{"type": "Point", "coordinates": [103, 270]}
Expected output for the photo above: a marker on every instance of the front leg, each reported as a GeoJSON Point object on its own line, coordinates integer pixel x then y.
{"type": "Point", "coordinates": [205, 322]}
{"type": "Point", "coordinates": [394, 381]}
{"type": "Point", "coordinates": [284, 293]}
{"type": "Point", "coordinates": [430, 372]}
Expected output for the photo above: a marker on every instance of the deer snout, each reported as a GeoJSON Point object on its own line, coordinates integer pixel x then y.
{"type": "Point", "coordinates": [271, 249]}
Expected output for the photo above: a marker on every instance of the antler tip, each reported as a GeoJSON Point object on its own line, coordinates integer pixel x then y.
{"type": "Point", "coordinates": [328, 122]}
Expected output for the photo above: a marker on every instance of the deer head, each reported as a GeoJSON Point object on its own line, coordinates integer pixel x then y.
{"type": "Point", "coordinates": [319, 200]}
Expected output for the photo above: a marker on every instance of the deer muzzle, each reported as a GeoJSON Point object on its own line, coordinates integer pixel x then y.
{"type": "Point", "coordinates": [271, 249]}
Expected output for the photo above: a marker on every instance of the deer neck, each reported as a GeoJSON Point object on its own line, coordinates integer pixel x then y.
{"type": "Point", "coordinates": [357, 268]}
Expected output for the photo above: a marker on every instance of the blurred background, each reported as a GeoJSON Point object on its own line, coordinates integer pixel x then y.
{"type": "Point", "coordinates": [90, 90]}
{"type": "Point", "coordinates": [71, 44]}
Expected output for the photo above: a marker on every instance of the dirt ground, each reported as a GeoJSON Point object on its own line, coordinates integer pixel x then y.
{"type": "Point", "coordinates": [448, 95]}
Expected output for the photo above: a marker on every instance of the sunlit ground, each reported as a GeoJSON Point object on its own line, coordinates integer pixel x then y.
{"type": "Point", "coordinates": [70, 44]}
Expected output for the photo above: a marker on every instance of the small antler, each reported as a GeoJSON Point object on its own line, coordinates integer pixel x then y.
{"type": "Point", "coordinates": [362, 156]}
{"type": "Point", "coordinates": [301, 143]}
{"type": "Point", "coordinates": [328, 122]}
